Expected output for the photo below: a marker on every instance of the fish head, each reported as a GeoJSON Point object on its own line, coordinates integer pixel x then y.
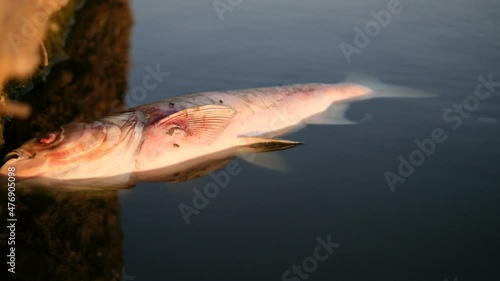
{"type": "Point", "coordinates": [55, 152]}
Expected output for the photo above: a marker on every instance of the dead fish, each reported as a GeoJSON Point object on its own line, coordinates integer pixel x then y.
{"type": "Point", "coordinates": [147, 142]}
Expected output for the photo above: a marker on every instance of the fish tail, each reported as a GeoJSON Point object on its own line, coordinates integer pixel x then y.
{"type": "Point", "coordinates": [360, 87]}
{"type": "Point", "coordinates": [382, 90]}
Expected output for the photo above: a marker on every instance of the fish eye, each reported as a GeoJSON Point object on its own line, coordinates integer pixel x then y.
{"type": "Point", "coordinates": [48, 138]}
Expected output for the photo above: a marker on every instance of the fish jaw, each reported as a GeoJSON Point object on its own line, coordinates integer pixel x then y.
{"type": "Point", "coordinates": [28, 170]}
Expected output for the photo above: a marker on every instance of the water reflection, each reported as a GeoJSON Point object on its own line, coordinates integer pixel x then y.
{"type": "Point", "coordinates": [179, 172]}
{"type": "Point", "coordinates": [67, 236]}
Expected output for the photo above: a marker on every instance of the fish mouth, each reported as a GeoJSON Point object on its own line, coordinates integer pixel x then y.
{"type": "Point", "coordinates": [17, 154]}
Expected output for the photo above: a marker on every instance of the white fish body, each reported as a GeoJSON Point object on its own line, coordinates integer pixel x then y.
{"type": "Point", "coordinates": [151, 142]}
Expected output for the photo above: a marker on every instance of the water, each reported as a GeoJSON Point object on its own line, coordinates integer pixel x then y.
{"type": "Point", "coordinates": [440, 223]}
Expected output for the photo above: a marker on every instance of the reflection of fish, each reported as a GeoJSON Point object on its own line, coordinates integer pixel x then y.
{"type": "Point", "coordinates": [124, 148]}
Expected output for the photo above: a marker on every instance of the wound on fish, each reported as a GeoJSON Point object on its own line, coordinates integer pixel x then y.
{"type": "Point", "coordinates": [172, 130]}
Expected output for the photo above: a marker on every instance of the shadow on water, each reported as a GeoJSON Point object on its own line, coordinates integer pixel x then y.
{"type": "Point", "coordinates": [77, 235]}
{"type": "Point", "coordinates": [72, 233]}
{"type": "Point", "coordinates": [180, 172]}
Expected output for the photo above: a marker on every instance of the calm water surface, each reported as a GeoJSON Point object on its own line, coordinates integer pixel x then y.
{"type": "Point", "coordinates": [440, 223]}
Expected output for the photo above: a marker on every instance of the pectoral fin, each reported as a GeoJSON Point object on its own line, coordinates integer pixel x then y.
{"type": "Point", "coordinates": [251, 146]}
{"type": "Point", "coordinates": [257, 145]}
{"type": "Point", "coordinates": [202, 123]}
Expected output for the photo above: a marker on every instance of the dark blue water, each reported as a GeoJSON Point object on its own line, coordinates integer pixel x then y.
{"type": "Point", "coordinates": [440, 223]}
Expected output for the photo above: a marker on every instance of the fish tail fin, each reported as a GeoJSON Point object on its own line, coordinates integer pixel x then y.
{"type": "Point", "coordinates": [382, 90]}
{"type": "Point", "coordinates": [361, 87]}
